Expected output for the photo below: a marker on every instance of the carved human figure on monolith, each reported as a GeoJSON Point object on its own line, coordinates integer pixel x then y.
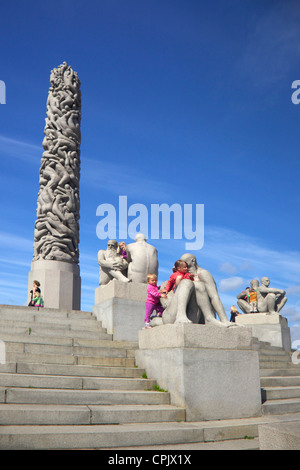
{"type": "Point", "coordinates": [56, 232]}
{"type": "Point", "coordinates": [142, 259]}
{"type": "Point", "coordinates": [56, 235]}
{"type": "Point", "coordinates": [111, 264]}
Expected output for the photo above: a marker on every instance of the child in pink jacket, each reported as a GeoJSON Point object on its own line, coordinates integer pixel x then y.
{"type": "Point", "coordinates": [152, 301]}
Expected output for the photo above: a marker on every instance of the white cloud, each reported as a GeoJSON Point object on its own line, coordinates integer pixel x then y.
{"type": "Point", "coordinates": [273, 46]}
{"type": "Point", "coordinates": [231, 284]}
{"type": "Point", "coordinates": [240, 250]}
{"type": "Point", "coordinates": [15, 242]}
{"type": "Point", "coordinates": [126, 180]}
{"type": "Point", "coordinates": [21, 150]}
{"type": "Point", "coordinates": [293, 290]}
{"type": "Point", "coordinates": [228, 268]}
{"type": "Point", "coordinates": [295, 334]}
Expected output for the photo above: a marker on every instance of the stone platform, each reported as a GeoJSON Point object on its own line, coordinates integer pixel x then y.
{"type": "Point", "coordinates": [272, 328]}
{"type": "Point", "coordinates": [120, 307]}
{"type": "Point", "coordinates": [211, 371]}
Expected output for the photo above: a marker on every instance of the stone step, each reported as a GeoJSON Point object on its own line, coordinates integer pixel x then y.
{"type": "Point", "coordinates": [169, 436]}
{"type": "Point", "coordinates": [273, 353]}
{"type": "Point", "coordinates": [42, 316]}
{"type": "Point", "coordinates": [74, 382]}
{"type": "Point", "coordinates": [289, 371]}
{"type": "Point", "coordinates": [69, 359]}
{"type": "Point", "coordinates": [27, 414]}
{"type": "Point", "coordinates": [63, 341]}
{"type": "Point", "coordinates": [277, 407]}
{"type": "Point", "coordinates": [108, 349]}
{"type": "Point", "coordinates": [53, 311]}
{"type": "Point", "coordinates": [53, 332]}
{"type": "Point", "coordinates": [280, 358]}
{"type": "Point", "coordinates": [84, 397]}
{"type": "Point", "coordinates": [63, 324]}
{"type": "Point", "coordinates": [176, 449]}
{"type": "Point", "coordinates": [96, 436]}
{"type": "Point", "coordinates": [278, 393]}
{"type": "Point", "coordinates": [269, 364]}
{"type": "Point", "coordinates": [71, 370]}
{"type": "Point", "coordinates": [280, 381]}
{"type": "Point", "coordinates": [103, 343]}
{"type": "Point", "coordinates": [33, 338]}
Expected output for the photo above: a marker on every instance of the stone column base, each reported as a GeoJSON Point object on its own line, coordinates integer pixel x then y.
{"type": "Point", "coordinates": [271, 328]}
{"type": "Point", "coordinates": [120, 307]}
{"type": "Point", "coordinates": [209, 370]}
{"type": "Point", "coordinates": [60, 283]}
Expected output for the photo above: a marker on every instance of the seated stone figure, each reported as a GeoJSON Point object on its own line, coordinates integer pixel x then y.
{"type": "Point", "coordinates": [195, 301]}
{"type": "Point", "coordinates": [111, 264]}
{"type": "Point", "coordinates": [272, 300]}
{"type": "Point", "coordinates": [244, 297]}
{"type": "Point", "coordinates": [142, 259]}
{"type": "Point", "coordinates": [269, 300]}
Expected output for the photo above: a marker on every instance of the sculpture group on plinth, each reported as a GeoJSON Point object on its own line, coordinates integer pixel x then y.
{"type": "Point", "coordinates": [194, 301]}
{"type": "Point", "coordinates": [261, 298]}
{"type": "Point", "coordinates": [131, 263]}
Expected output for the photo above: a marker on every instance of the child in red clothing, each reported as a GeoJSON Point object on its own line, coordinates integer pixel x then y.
{"type": "Point", "coordinates": [180, 271]}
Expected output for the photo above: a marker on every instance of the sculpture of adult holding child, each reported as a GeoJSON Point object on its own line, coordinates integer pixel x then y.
{"type": "Point", "coordinates": [195, 301]}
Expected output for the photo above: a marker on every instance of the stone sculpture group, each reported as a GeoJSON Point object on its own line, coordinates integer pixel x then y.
{"type": "Point", "coordinates": [269, 300]}
{"type": "Point", "coordinates": [194, 301]}
{"type": "Point", "coordinates": [141, 259]}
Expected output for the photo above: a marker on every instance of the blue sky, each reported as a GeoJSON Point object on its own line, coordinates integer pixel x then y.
{"type": "Point", "coordinates": [184, 102]}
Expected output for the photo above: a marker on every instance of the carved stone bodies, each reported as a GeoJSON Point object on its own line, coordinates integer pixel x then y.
{"type": "Point", "coordinates": [56, 234]}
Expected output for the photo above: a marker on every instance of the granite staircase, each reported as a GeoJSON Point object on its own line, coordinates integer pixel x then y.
{"type": "Point", "coordinates": [280, 381]}
{"type": "Point", "coordinates": [66, 384]}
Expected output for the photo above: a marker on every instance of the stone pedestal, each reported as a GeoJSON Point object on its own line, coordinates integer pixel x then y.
{"type": "Point", "coordinates": [271, 328]}
{"type": "Point", "coordinates": [120, 307]}
{"type": "Point", "coordinates": [60, 283]}
{"type": "Point", "coordinates": [211, 371]}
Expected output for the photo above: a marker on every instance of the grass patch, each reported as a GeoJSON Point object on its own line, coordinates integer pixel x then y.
{"type": "Point", "coordinates": [157, 388]}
